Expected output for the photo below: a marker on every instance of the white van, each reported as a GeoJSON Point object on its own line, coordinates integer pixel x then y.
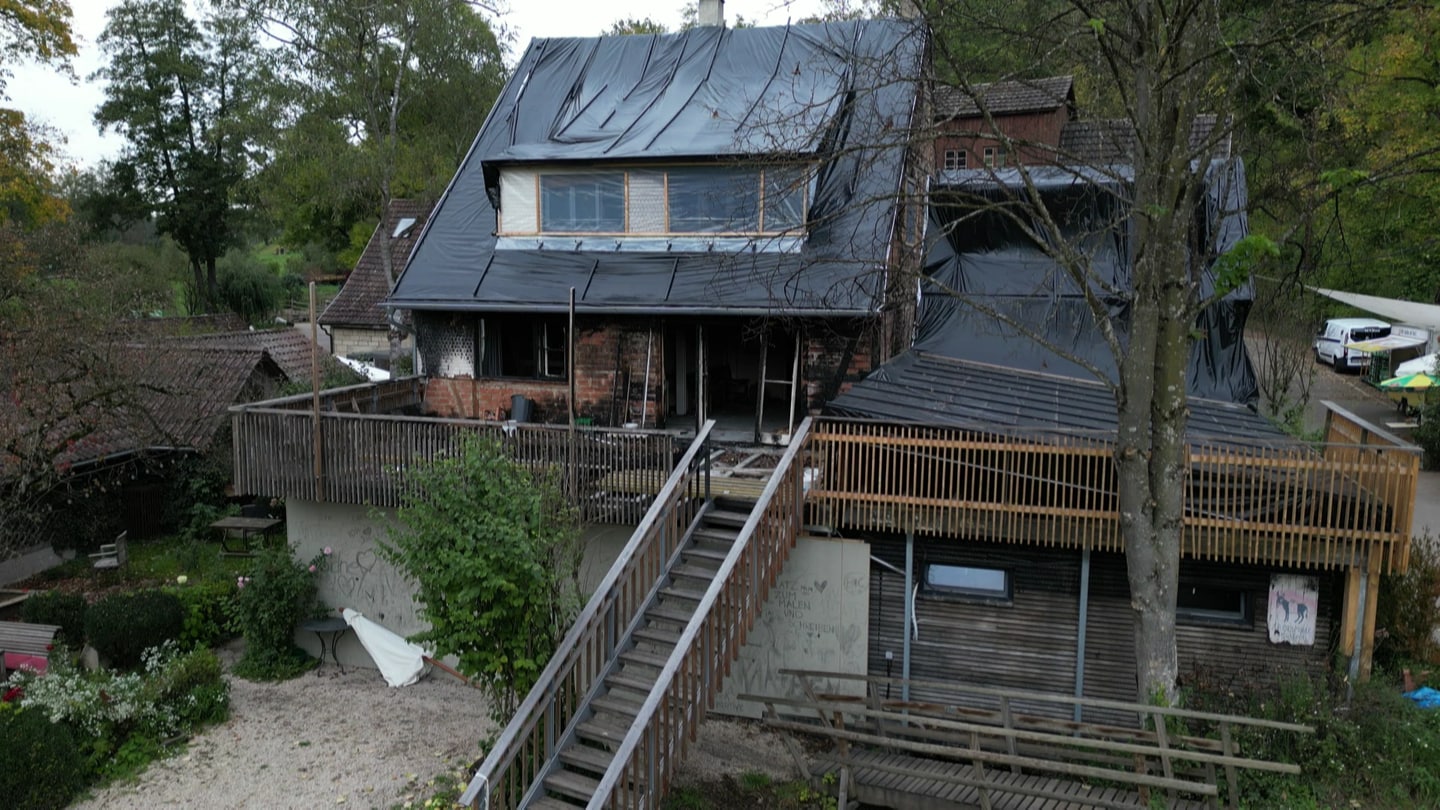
{"type": "Point", "coordinates": [1331, 340]}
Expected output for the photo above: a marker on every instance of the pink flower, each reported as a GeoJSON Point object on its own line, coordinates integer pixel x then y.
{"type": "Point", "coordinates": [327, 551]}
{"type": "Point", "coordinates": [312, 569]}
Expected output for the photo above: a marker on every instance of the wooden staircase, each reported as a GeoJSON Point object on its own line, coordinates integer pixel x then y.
{"type": "Point", "coordinates": [609, 720]}
{"type": "Point", "coordinates": [587, 751]}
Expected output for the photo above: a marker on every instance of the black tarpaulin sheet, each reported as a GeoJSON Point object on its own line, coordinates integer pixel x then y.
{"type": "Point", "coordinates": [837, 95]}
{"type": "Point", "coordinates": [986, 278]}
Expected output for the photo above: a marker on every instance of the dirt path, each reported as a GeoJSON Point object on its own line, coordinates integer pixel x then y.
{"type": "Point", "coordinates": [324, 739]}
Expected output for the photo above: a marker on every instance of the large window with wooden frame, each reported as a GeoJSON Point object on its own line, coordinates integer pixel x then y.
{"type": "Point", "coordinates": [523, 347]}
{"type": "Point", "coordinates": [718, 200]}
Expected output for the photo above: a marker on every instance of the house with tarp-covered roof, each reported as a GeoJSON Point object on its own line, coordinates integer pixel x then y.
{"type": "Point", "coordinates": [661, 243]}
{"type": "Point", "coordinates": [726, 206]}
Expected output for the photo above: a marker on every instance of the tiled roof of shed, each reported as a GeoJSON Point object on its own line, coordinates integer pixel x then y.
{"type": "Point", "coordinates": [288, 347]}
{"type": "Point", "coordinates": [358, 302]}
{"type": "Point", "coordinates": [1005, 98]}
{"type": "Point", "coordinates": [1113, 140]}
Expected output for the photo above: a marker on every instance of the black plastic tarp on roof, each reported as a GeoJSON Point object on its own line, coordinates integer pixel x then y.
{"type": "Point", "coordinates": [839, 96]}
{"type": "Point", "coordinates": [984, 274]}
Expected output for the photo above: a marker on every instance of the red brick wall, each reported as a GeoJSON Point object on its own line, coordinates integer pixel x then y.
{"type": "Point", "coordinates": [1038, 128]}
{"type": "Point", "coordinates": [837, 356]}
{"type": "Point", "coordinates": [595, 380]}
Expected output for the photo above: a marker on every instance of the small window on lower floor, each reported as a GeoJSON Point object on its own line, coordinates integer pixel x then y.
{"type": "Point", "coordinates": [1204, 603]}
{"type": "Point", "coordinates": [967, 581]}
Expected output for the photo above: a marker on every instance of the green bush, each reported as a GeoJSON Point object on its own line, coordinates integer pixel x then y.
{"type": "Point", "coordinates": [42, 767]}
{"type": "Point", "coordinates": [249, 289]}
{"type": "Point", "coordinates": [269, 603]}
{"type": "Point", "coordinates": [1379, 751]}
{"type": "Point", "coordinates": [192, 684]}
{"type": "Point", "coordinates": [121, 627]}
{"type": "Point", "coordinates": [206, 607]}
{"type": "Point", "coordinates": [1406, 613]}
{"type": "Point", "coordinates": [120, 719]}
{"type": "Point", "coordinates": [494, 554]}
{"type": "Point", "coordinates": [64, 609]}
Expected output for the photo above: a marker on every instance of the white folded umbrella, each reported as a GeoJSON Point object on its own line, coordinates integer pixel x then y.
{"type": "Point", "coordinates": [400, 662]}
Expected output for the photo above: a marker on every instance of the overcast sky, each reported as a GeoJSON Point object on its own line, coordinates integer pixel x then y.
{"type": "Point", "coordinates": [48, 97]}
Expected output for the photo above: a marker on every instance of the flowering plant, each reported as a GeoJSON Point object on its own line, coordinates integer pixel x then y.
{"type": "Point", "coordinates": [270, 600]}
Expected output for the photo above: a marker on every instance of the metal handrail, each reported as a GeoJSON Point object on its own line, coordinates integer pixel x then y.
{"type": "Point", "coordinates": [518, 730]}
{"type": "Point", "coordinates": [627, 749]}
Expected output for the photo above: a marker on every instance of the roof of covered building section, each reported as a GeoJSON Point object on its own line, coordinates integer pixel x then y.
{"type": "Point", "coordinates": [838, 96]}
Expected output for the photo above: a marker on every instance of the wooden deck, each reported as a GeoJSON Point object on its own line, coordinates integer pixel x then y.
{"type": "Point", "coordinates": [915, 783]}
{"type": "Point", "coordinates": [643, 482]}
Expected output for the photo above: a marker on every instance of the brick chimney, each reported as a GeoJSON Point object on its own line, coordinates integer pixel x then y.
{"type": "Point", "coordinates": [711, 12]}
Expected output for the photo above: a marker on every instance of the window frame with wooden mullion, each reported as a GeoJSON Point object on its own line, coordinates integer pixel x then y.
{"type": "Point", "coordinates": [759, 201]}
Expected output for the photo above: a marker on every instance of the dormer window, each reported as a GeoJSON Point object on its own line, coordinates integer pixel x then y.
{"type": "Point", "coordinates": [582, 202]}
{"type": "Point", "coordinates": [648, 201]}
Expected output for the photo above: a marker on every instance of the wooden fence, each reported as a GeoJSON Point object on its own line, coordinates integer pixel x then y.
{"type": "Point", "coordinates": [532, 734]}
{"type": "Point", "coordinates": [997, 731]}
{"type": "Point", "coordinates": [1285, 502]}
{"type": "Point", "coordinates": [365, 448]}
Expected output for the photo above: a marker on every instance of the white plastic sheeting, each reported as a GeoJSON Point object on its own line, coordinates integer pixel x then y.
{"type": "Point", "coordinates": [1392, 308]}
{"type": "Point", "coordinates": [1424, 364]}
{"type": "Point", "coordinates": [400, 662]}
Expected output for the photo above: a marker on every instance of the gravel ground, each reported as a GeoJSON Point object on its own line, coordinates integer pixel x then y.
{"type": "Point", "coordinates": [324, 739]}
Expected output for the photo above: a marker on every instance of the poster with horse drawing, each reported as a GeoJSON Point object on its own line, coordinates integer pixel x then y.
{"type": "Point", "coordinates": [1293, 602]}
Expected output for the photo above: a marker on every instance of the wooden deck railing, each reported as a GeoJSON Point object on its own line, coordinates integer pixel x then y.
{"type": "Point", "coordinates": [366, 447]}
{"type": "Point", "coordinates": [685, 690]}
{"type": "Point", "coordinates": [997, 729]}
{"type": "Point", "coordinates": [535, 729]}
{"type": "Point", "coordinates": [1286, 502]}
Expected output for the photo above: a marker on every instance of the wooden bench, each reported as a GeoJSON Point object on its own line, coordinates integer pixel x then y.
{"type": "Point", "coordinates": [25, 645]}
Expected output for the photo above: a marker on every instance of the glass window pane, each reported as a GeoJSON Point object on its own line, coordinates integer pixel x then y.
{"type": "Point", "coordinates": [1210, 602]}
{"type": "Point", "coordinates": [785, 191]}
{"type": "Point", "coordinates": [964, 579]}
{"type": "Point", "coordinates": [582, 202]}
{"type": "Point", "coordinates": [714, 199]}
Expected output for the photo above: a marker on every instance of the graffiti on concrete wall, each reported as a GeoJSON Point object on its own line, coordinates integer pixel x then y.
{"type": "Point", "coordinates": [817, 617]}
{"type": "Point", "coordinates": [355, 577]}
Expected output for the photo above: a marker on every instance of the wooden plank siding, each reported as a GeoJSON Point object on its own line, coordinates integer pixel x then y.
{"type": "Point", "coordinates": [1215, 654]}
{"type": "Point", "coordinates": [1031, 642]}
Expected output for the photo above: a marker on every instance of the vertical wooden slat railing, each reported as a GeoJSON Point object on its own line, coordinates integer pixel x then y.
{"type": "Point", "coordinates": [529, 739]}
{"type": "Point", "coordinates": [685, 690]}
{"type": "Point", "coordinates": [1282, 501]}
{"type": "Point", "coordinates": [365, 454]}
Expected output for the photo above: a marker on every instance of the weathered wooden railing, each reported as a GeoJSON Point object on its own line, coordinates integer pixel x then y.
{"type": "Point", "coordinates": [996, 730]}
{"type": "Point", "coordinates": [535, 729]}
{"type": "Point", "coordinates": [1283, 502]}
{"type": "Point", "coordinates": [366, 447]}
{"type": "Point", "coordinates": [686, 688]}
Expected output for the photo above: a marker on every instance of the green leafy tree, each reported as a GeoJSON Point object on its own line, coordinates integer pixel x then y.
{"type": "Point", "coordinates": [181, 93]}
{"type": "Point", "coordinates": [494, 556]}
{"type": "Point", "coordinates": [385, 98]}
{"type": "Point", "coordinates": [1155, 67]}
{"type": "Point", "coordinates": [634, 25]}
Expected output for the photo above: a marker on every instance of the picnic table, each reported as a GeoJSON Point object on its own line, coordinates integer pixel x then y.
{"type": "Point", "coordinates": [241, 530]}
